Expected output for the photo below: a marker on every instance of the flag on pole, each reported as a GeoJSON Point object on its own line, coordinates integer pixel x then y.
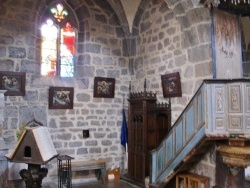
{"type": "Point", "coordinates": [124, 131]}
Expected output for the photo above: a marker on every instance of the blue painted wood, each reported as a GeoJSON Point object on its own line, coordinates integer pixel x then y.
{"type": "Point", "coordinates": [160, 160]}
{"type": "Point", "coordinates": [153, 164]}
{"type": "Point", "coordinates": [208, 107]}
{"type": "Point", "coordinates": [207, 115]}
{"type": "Point", "coordinates": [179, 135]}
{"type": "Point", "coordinates": [178, 159]}
{"type": "Point", "coordinates": [169, 148]}
{"type": "Point", "coordinates": [177, 139]}
{"type": "Point", "coordinates": [190, 121]}
{"type": "Point", "coordinates": [200, 108]}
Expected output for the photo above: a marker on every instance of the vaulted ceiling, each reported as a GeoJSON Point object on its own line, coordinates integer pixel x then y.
{"type": "Point", "coordinates": [125, 10]}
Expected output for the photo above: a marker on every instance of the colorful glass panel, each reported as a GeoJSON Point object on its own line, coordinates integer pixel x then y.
{"type": "Point", "coordinates": [49, 48]}
{"type": "Point", "coordinates": [59, 12]}
{"type": "Point", "coordinates": [56, 62]}
{"type": "Point", "coordinates": [67, 51]}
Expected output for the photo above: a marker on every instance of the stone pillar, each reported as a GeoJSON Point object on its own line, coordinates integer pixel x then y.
{"type": "Point", "coordinates": [3, 147]}
{"type": "Point", "coordinates": [233, 159]}
{"type": "Point", "coordinates": [2, 105]}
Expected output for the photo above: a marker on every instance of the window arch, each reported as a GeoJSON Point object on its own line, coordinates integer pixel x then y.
{"type": "Point", "coordinates": [58, 41]}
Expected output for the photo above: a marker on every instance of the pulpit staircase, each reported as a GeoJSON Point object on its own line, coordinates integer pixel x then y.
{"type": "Point", "coordinates": [219, 110]}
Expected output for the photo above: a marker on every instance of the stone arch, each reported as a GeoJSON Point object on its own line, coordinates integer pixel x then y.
{"type": "Point", "coordinates": [42, 7]}
{"type": "Point", "coordinates": [119, 11]}
{"type": "Point", "coordinates": [85, 10]}
{"type": "Point", "coordinates": [138, 16]}
{"type": "Point", "coordinates": [183, 10]}
{"type": "Point", "coordinates": [112, 8]}
{"type": "Point", "coordinates": [179, 8]}
{"type": "Point", "coordinates": [71, 17]}
{"type": "Point", "coordinates": [113, 5]}
{"type": "Point", "coordinates": [193, 23]}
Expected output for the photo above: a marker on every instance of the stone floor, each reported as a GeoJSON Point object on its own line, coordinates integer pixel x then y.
{"type": "Point", "coordinates": [118, 184]}
{"type": "Point", "coordinates": [90, 182]}
{"type": "Point", "coordinates": [82, 184]}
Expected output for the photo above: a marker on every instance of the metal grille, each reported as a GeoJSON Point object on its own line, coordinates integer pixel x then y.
{"type": "Point", "coordinates": [64, 171]}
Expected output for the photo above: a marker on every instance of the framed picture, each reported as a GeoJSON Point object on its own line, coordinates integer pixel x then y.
{"type": "Point", "coordinates": [13, 82]}
{"type": "Point", "coordinates": [104, 87]}
{"type": "Point", "coordinates": [171, 85]}
{"type": "Point", "coordinates": [61, 97]}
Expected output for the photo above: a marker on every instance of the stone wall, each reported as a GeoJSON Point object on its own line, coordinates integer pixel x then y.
{"type": "Point", "coordinates": [168, 36]}
{"type": "Point", "coordinates": [207, 166]}
{"type": "Point", "coordinates": [100, 52]}
{"type": "Point", "coordinates": [3, 147]}
{"type": "Point", "coordinates": [175, 39]}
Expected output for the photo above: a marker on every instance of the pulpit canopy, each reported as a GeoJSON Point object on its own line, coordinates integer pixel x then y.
{"type": "Point", "coordinates": [34, 147]}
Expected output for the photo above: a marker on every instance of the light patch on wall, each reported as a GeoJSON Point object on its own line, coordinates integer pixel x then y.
{"type": "Point", "coordinates": [247, 173]}
{"type": "Point", "coordinates": [130, 8]}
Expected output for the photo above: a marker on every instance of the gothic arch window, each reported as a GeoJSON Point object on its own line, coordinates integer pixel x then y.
{"type": "Point", "coordinates": [58, 42]}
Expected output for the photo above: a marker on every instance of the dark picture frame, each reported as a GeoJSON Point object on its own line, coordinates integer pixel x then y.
{"type": "Point", "coordinates": [104, 87]}
{"type": "Point", "coordinates": [61, 97]}
{"type": "Point", "coordinates": [13, 82]}
{"type": "Point", "coordinates": [171, 85]}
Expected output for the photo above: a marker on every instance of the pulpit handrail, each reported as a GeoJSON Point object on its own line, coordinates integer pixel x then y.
{"type": "Point", "coordinates": [219, 109]}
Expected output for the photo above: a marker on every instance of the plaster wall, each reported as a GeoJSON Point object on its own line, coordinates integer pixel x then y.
{"type": "Point", "coordinates": [130, 8]}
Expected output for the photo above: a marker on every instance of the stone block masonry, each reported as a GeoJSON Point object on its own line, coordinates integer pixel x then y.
{"type": "Point", "coordinates": [175, 39]}
{"type": "Point", "coordinates": [101, 51]}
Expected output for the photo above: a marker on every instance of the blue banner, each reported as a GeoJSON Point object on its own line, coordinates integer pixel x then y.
{"type": "Point", "coordinates": [124, 131]}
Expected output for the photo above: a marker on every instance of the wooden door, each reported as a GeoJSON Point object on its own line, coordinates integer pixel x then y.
{"type": "Point", "coordinates": [136, 159]}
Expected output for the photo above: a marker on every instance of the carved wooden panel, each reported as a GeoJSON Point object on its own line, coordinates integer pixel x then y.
{"type": "Point", "coordinates": [246, 105]}
{"type": "Point", "coordinates": [220, 123]}
{"type": "Point", "coordinates": [247, 122]}
{"type": "Point", "coordinates": [235, 106]}
{"type": "Point", "coordinates": [148, 125]}
{"type": "Point", "coordinates": [235, 100]}
{"type": "Point", "coordinates": [219, 98]}
{"type": "Point", "coordinates": [235, 122]}
{"type": "Point", "coordinates": [220, 103]}
{"type": "Point", "coordinates": [247, 98]}
{"type": "Point", "coordinates": [230, 103]}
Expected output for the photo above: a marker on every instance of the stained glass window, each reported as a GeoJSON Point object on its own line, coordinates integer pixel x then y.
{"type": "Point", "coordinates": [67, 50]}
{"type": "Point", "coordinates": [58, 45]}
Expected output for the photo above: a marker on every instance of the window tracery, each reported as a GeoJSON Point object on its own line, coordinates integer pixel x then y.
{"type": "Point", "coordinates": [58, 43]}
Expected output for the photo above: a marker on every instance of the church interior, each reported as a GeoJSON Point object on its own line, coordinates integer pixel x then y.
{"type": "Point", "coordinates": [154, 93]}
